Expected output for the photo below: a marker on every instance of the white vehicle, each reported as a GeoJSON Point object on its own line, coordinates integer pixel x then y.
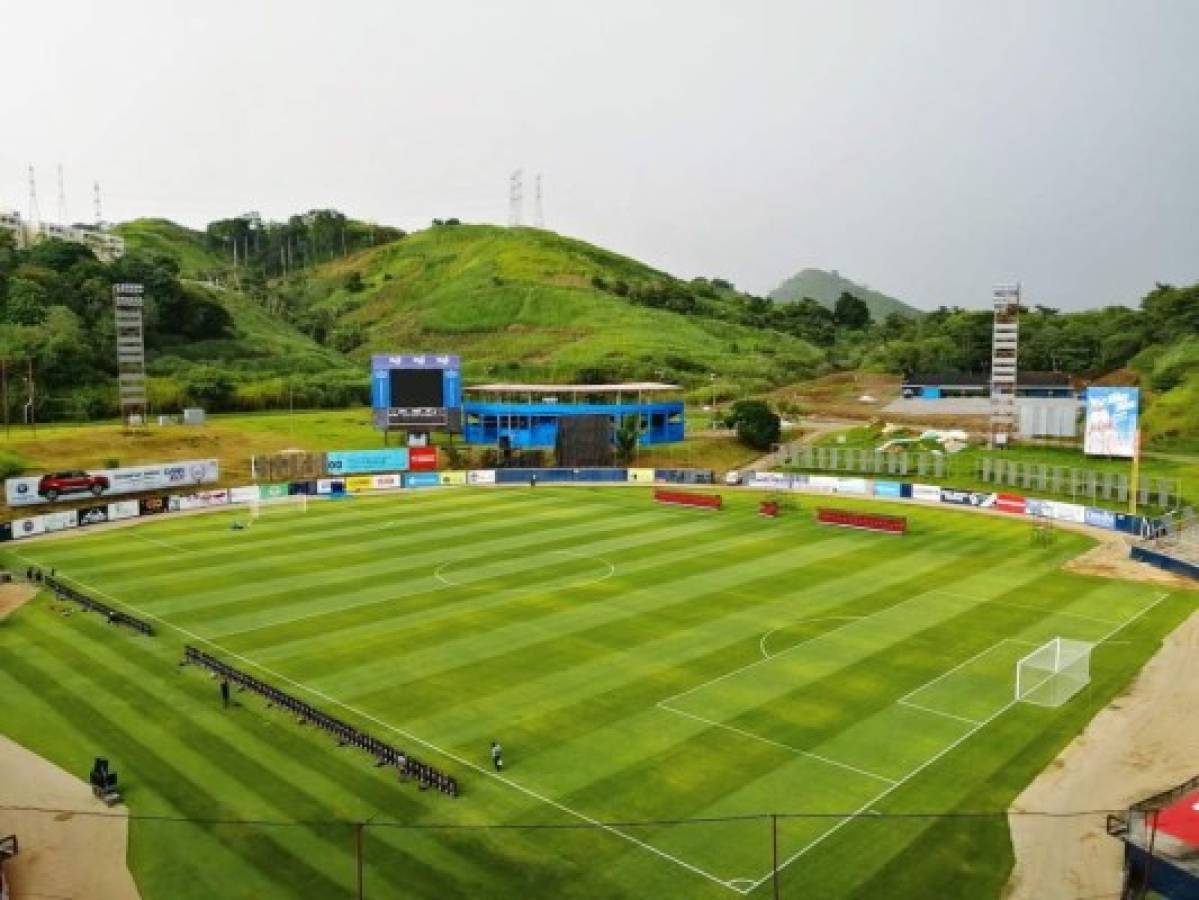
{"type": "Point", "coordinates": [732, 478]}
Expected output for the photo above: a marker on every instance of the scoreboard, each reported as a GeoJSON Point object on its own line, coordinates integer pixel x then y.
{"type": "Point", "coordinates": [420, 392]}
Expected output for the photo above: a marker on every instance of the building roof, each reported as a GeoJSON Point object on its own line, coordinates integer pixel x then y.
{"type": "Point", "coordinates": [1023, 379]}
{"type": "Point", "coordinates": [631, 387]}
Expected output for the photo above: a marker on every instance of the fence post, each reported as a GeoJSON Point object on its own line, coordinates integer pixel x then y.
{"type": "Point", "coordinates": [358, 826]}
{"type": "Point", "coordinates": [774, 853]}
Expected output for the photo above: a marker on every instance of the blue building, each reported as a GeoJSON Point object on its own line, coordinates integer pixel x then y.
{"type": "Point", "coordinates": [527, 415]}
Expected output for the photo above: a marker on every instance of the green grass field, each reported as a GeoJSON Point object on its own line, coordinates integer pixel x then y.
{"type": "Point", "coordinates": [639, 664]}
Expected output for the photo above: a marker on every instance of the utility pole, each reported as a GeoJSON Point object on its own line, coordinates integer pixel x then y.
{"type": "Point", "coordinates": [538, 211]}
{"type": "Point", "coordinates": [63, 217]}
{"type": "Point", "coordinates": [35, 216]}
{"type": "Point", "coordinates": [96, 203]}
{"type": "Point", "coordinates": [516, 199]}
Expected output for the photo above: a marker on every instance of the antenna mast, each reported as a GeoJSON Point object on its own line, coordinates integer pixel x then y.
{"type": "Point", "coordinates": [538, 212]}
{"type": "Point", "coordinates": [34, 215]}
{"type": "Point", "coordinates": [516, 200]}
{"type": "Point", "coordinates": [96, 202]}
{"type": "Point", "coordinates": [63, 218]}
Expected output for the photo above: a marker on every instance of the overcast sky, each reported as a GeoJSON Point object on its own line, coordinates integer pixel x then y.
{"type": "Point", "coordinates": [928, 149]}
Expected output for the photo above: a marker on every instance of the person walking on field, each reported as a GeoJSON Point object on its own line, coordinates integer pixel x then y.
{"type": "Point", "coordinates": [497, 756]}
{"type": "Point", "coordinates": [225, 692]}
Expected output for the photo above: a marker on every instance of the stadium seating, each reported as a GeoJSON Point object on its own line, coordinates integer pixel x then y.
{"type": "Point", "coordinates": [347, 735]}
{"type": "Point", "coordinates": [866, 521]}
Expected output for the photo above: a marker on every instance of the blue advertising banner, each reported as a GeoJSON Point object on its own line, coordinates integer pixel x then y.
{"type": "Point", "coordinates": [421, 479]}
{"type": "Point", "coordinates": [1111, 421]}
{"type": "Point", "coordinates": [888, 489]}
{"type": "Point", "coordinates": [1100, 518]}
{"type": "Point", "coordinates": [366, 462]}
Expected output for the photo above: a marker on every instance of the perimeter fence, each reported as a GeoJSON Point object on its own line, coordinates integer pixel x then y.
{"type": "Point", "coordinates": [793, 855]}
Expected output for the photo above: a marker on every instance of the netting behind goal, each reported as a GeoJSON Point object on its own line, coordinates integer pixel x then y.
{"type": "Point", "coordinates": [1053, 673]}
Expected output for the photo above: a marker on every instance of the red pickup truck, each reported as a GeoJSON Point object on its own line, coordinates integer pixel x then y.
{"type": "Point", "coordinates": [76, 481]}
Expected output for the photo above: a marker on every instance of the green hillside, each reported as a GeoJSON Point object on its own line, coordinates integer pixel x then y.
{"type": "Point", "coordinates": [185, 246]}
{"type": "Point", "coordinates": [530, 303]}
{"type": "Point", "coordinates": [826, 287]}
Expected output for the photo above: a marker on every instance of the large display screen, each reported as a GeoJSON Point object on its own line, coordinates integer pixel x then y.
{"type": "Point", "coordinates": [1112, 421]}
{"type": "Point", "coordinates": [416, 392]}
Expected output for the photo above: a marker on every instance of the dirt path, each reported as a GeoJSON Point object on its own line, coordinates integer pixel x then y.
{"type": "Point", "coordinates": [13, 595]}
{"type": "Point", "coordinates": [1145, 741]}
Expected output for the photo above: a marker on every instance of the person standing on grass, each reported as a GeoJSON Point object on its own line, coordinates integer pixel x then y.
{"type": "Point", "coordinates": [225, 692]}
{"type": "Point", "coordinates": [497, 756]}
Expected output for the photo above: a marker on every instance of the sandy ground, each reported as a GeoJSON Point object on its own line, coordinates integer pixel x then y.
{"type": "Point", "coordinates": [61, 855]}
{"type": "Point", "coordinates": [1145, 741]}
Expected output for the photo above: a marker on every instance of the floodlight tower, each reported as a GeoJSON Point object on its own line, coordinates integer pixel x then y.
{"type": "Point", "coordinates": [131, 352]}
{"type": "Point", "coordinates": [516, 200]}
{"type": "Point", "coordinates": [1005, 335]}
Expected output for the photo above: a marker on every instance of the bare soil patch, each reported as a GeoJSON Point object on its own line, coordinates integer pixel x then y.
{"type": "Point", "coordinates": [61, 854]}
{"type": "Point", "coordinates": [14, 595]}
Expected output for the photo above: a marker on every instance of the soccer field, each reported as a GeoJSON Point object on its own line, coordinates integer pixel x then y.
{"type": "Point", "coordinates": [662, 680]}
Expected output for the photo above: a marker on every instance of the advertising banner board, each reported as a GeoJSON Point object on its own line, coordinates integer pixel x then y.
{"type": "Point", "coordinates": [822, 483]}
{"type": "Point", "coordinates": [421, 479]}
{"type": "Point", "coordinates": [367, 462]}
{"type": "Point", "coordinates": [123, 509]}
{"type": "Point", "coordinates": [93, 515]}
{"type": "Point", "coordinates": [244, 494]}
{"type": "Point", "coordinates": [480, 476]}
{"type": "Point", "coordinates": [888, 489]}
{"type": "Point", "coordinates": [1010, 503]}
{"type": "Point", "coordinates": [1066, 512]}
{"type": "Point", "coordinates": [356, 484]}
{"type": "Point", "coordinates": [199, 500]}
{"type": "Point", "coordinates": [453, 477]}
{"type": "Point", "coordinates": [61, 521]}
{"type": "Point", "coordinates": [929, 493]}
{"type": "Point", "coordinates": [853, 486]}
{"type": "Point", "coordinates": [23, 528]}
{"type": "Point", "coordinates": [152, 506]}
{"type": "Point", "coordinates": [422, 459]}
{"type": "Point", "coordinates": [386, 482]}
{"type": "Point", "coordinates": [779, 481]}
{"type": "Point", "coordinates": [967, 498]}
{"type": "Point", "coordinates": [1100, 518]}
{"type": "Point", "coordinates": [75, 484]}
{"type": "Point", "coordinates": [641, 476]}
{"type": "Point", "coordinates": [272, 491]}
{"type": "Point", "coordinates": [1111, 428]}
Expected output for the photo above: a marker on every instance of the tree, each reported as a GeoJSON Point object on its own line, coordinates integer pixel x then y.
{"type": "Point", "coordinates": [757, 425]}
{"type": "Point", "coordinates": [26, 302]}
{"type": "Point", "coordinates": [850, 312]}
{"type": "Point", "coordinates": [627, 436]}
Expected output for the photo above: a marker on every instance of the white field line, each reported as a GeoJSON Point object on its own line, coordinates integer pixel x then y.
{"type": "Point", "coordinates": [938, 712]}
{"type": "Point", "coordinates": [448, 754]}
{"type": "Point", "coordinates": [766, 636]}
{"type": "Point", "coordinates": [931, 760]}
{"type": "Point", "coordinates": [948, 672]}
{"type": "Point", "coordinates": [1040, 609]}
{"type": "Point", "coordinates": [757, 737]}
{"type": "Point", "coordinates": [132, 532]}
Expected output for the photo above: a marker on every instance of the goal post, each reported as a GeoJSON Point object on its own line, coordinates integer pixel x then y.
{"type": "Point", "coordinates": [1054, 672]}
{"type": "Point", "coordinates": [296, 502]}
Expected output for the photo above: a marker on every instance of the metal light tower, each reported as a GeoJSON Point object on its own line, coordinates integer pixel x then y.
{"type": "Point", "coordinates": [516, 199]}
{"type": "Point", "coordinates": [131, 352]}
{"type": "Point", "coordinates": [96, 202]}
{"type": "Point", "coordinates": [538, 212]}
{"type": "Point", "coordinates": [35, 216]}
{"type": "Point", "coordinates": [1005, 338]}
{"type": "Point", "coordinates": [63, 216]}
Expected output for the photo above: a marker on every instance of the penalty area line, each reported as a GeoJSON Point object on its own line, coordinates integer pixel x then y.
{"type": "Point", "coordinates": [766, 636]}
{"type": "Point", "coordinates": [448, 754]}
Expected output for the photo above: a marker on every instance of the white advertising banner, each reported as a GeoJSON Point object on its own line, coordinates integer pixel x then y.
{"type": "Point", "coordinates": [1065, 512]}
{"type": "Point", "coordinates": [23, 528]}
{"type": "Point", "coordinates": [822, 483]}
{"type": "Point", "coordinates": [385, 482]}
{"type": "Point", "coordinates": [245, 494]}
{"type": "Point", "coordinates": [853, 486]}
{"type": "Point", "coordinates": [199, 500]}
{"type": "Point", "coordinates": [60, 521]}
{"type": "Point", "coordinates": [779, 481]}
{"type": "Point", "coordinates": [930, 493]}
{"type": "Point", "coordinates": [481, 476]}
{"type": "Point", "coordinates": [123, 509]}
{"type": "Point", "coordinates": [76, 484]}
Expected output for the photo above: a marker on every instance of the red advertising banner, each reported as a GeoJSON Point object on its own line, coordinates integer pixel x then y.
{"type": "Point", "coordinates": [422, 459]}
{"type": "Point", "coordinates": [1010, 503]}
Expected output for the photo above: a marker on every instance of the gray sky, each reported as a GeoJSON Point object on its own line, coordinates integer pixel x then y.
{"type": "Point", "coordinates": [929, 149]}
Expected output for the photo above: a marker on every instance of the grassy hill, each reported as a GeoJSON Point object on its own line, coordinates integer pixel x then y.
{"type": "Point", "coordinates": [185, 246]}
{"type": "Point", "coordinates": [530, 303]}
{"type": "Point", "coordinates": [826, 287]}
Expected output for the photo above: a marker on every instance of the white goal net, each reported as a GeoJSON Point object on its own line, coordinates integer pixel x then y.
{"type": "Point", "coordinates": [1054, 672]}
{"type": "Point", "coordinates": [293, 502]}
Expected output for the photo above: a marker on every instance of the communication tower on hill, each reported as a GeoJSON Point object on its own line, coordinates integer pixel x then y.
{"type": "Point", "coordinates": [516, 199]}
{"type": "Point", "coordinates": [538, 212]}
{"type": "Point", "coordinates": [34, 215]}
{"type": "Point", "coordinates": [63, 216]}
{"type": "Point", "coordinates": [96, 202]}
{"type": "Point", "coordinates": [1005, 334]}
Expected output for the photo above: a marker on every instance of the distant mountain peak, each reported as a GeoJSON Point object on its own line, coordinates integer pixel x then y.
{"type": "Point", "coordinates": [826, 286]}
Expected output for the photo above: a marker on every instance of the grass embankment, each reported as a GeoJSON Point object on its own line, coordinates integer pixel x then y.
{"type": "Point", "coordinates": [557, 621]}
